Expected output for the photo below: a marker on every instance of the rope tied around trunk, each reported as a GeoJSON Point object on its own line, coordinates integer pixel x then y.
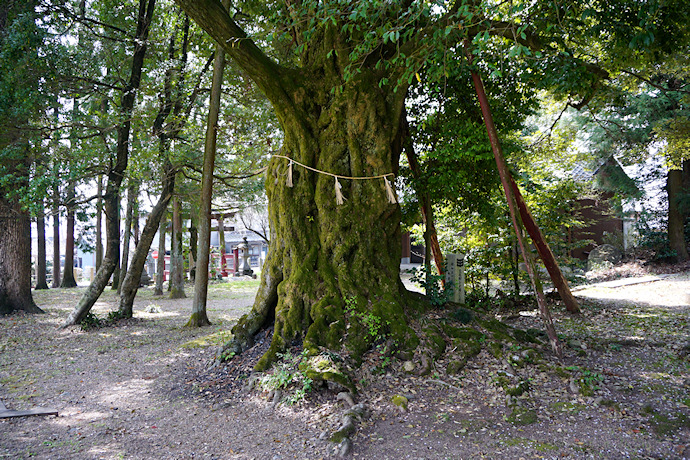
{"type": "Point", "coordinates": [339, 198]}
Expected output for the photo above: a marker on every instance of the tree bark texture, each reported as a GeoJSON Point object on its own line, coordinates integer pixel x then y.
{"type": "Point", "coordinates": [193, 244]}
{"type": "Point", "coordinates": [116, 173]}
{"type": "Point", "coordinates": [130, 284]}
{"type": "Point", "coordinates": [115, 277]}
{"type": "Point", "coordinates": [15, 238]}
{"type": "Point", "coordinates": [323, 254]}
{"type": "Point", "coordinates": [41, 270]}
{"type": "Point", "coordinates": [676, 223]}
{"type": "Point", "coordinates": [160, 262]}
{"type": "Point", "coordinates": [176, 256]}
{"type": "Point", "coordinates": [68, 280]}
{"type": "Point", "coordinates": [15, 223]}
{"type": "Point", "coordinates": [135, 224]}
{"type": "Point", "coordinates": [15, 258]}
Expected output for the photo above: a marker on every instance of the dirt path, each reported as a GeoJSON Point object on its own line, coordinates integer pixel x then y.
{"type": "Point", "coordinates": [141, 390]}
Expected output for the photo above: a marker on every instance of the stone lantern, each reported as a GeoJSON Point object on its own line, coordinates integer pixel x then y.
{"type": "Point", "coordinates": [245, 268]}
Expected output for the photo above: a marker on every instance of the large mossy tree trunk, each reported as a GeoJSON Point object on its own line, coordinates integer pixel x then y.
{"type": "Point", "coordinates": [322, 255]}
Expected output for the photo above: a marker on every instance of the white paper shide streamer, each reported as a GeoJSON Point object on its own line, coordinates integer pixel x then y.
{"type": "Point", "coordinates": [339, 199]}
{"type": "Point", "coordinates": [389, 191]}
{"type": "Point", "coordinates": [288, 182]}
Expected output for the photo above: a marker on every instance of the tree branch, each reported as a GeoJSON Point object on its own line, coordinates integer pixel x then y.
{"type": "Point", "coordinates": [654, 85]}
{"type": "Point", "coordinates": [269, 76]}
{"type": "Point", "coordinates": [225, 180]}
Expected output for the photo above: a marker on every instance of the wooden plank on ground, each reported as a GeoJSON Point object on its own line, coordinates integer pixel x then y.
{"type": "Point", "coordinates": [6, 413]}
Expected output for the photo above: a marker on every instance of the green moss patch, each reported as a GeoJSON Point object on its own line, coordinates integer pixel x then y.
{"type": "Point", "coordinates": [215, 339]}
{"type": "Point", "coordinates": [572, 407]}
{"type": "Point", "coordinates": [324, 367]}
{"type": "Point", "coordinates": [522, 416]}
{"type": "Point", "coordinates": [400, 401]}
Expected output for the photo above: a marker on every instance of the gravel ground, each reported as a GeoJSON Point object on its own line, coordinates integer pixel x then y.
{"type": "Point", "coordinates": [143, 388]}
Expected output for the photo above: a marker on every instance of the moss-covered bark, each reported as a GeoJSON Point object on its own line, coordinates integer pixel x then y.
{"type": "Point", "coordinates": [322, 253]}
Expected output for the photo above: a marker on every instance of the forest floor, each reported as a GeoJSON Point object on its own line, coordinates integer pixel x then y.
{"type": "Point", "coordinates": [143, 389]}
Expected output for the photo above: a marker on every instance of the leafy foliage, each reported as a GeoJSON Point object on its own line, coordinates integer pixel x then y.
{"type": "Point", "coordinates": [286, 375]}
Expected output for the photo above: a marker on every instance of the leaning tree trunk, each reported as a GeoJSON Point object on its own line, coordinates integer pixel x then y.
{"type": "Point", "coordinates": [111, 198]}
{"type": "Point", "coordinates": [68, 280]}
{"type": "Point", "coordinates": [676, 236]}
{"type": "Point", "coordinates": [41, 262]}
{"type": "Point", "coordinates": [160, 263]}
{"type": "Point", "coordinates": [323, 254]}
{"type": "Point", "coordinates": [130, 284]}
{"type": "Point", "coordinates": [176, 257]}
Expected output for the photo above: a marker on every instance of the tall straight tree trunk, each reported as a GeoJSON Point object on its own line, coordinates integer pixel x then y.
{"type": "Point", "coordinates": [676, 223]}
{"type": "Point", "coordinates": [118, 261]}
{"type": "Point", "coordinates": [193, 244]}
{"type": "Point", "coordinates": [15, 258]}
{"type": "Point", "coordinates": [160, 263]}
{"type": "Point", "coordinates": [130, 284]}
{"type": "Point", "coordinates": [176, 257]}
{"type": "Point", "coordinates": [15, 165]}
{"type": "Point", "coordinates": [41, 262]}
{"type": "Point", "coordinates": [56, 237]}
{"type": "Point", "coordinates": [99, 224]}
{"type": "Point", "coordinates": [15, 236]}
{"type": "Point", "coordinates": [68, 280]}
{"type": "Point", "coordinates": [199, 316]}
{"type": "Point", "coordinates": [112, 191]}
{"type": "Point", "coordinates": [132, 193]}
